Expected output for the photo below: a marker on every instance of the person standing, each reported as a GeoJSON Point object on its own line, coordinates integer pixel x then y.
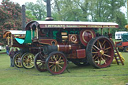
{"type": "Point", "coordinates": [7, 49]}
{"type": "Point", "coordinates": [16, 50]}
{"type": "Point", "coordinates": [11, 54]}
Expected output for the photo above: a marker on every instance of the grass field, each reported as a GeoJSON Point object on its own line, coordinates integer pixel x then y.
{"type": "Point", "coordinates": [113, 75]}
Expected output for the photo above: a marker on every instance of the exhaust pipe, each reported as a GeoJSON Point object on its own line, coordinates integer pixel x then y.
{"type": "Point", "coordinates": [23, 17]}
{"type": "Point", "coordinates": [49, 18]}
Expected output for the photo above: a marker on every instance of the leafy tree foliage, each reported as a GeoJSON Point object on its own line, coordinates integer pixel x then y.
{"type": "Point", "coordinates": [83, 10]}
{"type": "Point", "coordinates": [90, 10]}
{"type": "Point", "coordinates": [30, 16]}
{"type": "Point", "coordinates": [10, 17]}
{"type": "Point", "coordinates": [37, 9]}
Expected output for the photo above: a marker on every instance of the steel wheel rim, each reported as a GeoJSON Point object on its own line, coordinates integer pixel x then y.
{"type": "Point", "coordinates": [57, 63]}
{"type": "Point", "coordinates": [40, 62]}
{"type": "Point", "coordinates": [28, 60]}
{"type": "Point", "coordinates": [102, 52]}
{"type": "Point", "coordinates": [18, 60]}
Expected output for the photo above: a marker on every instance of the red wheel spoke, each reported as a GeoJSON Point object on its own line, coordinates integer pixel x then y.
{"type": "Point", "coordinates": [51, 59]}
{"type": "Point", "coordinates": [106, 55]}
{"type": "Point", "coordinates": [100, 44]}
{"type": "Point", "coordinates": [41, 56]}
{"type": "Point", "coordinates": [98, 61]}
{"type": "Point", "coordinates": [103, 60]}
{"type": "Point", "coordinates": [104, 46]}
{"type": "Point", "coordinates": [106, 51]}
{"type": "Point", "coordinates": [61, 63]}
{"type": "Point", "coordinates": [97, 44]}
{"type": "Point", "coordinates": [103, 57]}
{"type": "Point", "coordinates": [55, 68]}
{"type": "Point", "coordinates": [52, 62]}
{"type": "Point", "coordinates": [96, 47]}
{"type": "Point", "coordinates": [103, 43]}
{"type": "Point", "coordinates": [59, 59]}
{"type": "Point", "coordinates": [60, 66]}
{"type": "Point", "coordinates": [94, 52]}
{"type": "Point", "coordinates": [51, 65]}
{"type": "Point", "coordinates": [54, 57]}
{"type": "Point", "coordinates": [94, 56]}
{"type": "Point", "coordinates": [107, 48]}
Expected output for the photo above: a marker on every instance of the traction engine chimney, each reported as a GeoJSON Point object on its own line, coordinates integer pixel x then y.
{"type": "Point", "coordinates": [23, 17]}
{"type": "Point", "coordinates": [49, 18]}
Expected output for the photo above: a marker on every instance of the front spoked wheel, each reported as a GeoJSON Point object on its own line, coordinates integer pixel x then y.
{"type": "Point", "coordinates": [28, 60]}
{"type": "Point", "coordinates": [56, 62]}
{"type": "Point", "coordinates": [39, 62]}
{"type": "Point", "coordinates": [17, 60]}
{"type": "Point", "coordinates": [100, 52]}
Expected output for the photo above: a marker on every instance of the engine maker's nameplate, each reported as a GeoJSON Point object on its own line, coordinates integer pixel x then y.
{"type": "Point", "coordinates": [76, 26]}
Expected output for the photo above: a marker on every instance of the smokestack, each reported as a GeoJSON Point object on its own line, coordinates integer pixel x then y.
{"type": "Point", "coordinates": [49, 18]}
{"type": "Point", "coordinates": [23, 17]}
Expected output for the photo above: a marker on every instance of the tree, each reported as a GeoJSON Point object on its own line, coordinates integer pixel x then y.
{"type": "Point", "coordinates": [66, 10]}
{"type": "Point", "coordinates": [120, 19]}
{"type": "Point", "coordinates": [38, 10]}
{"type": "Point", "coordinates": [30, 16]}
{"type": "Point", "coordinates": [87, 10]}
{"type": "Point", "coordinates": [90, 10]}
{"type": "Point", "coordinates": [10, 17]}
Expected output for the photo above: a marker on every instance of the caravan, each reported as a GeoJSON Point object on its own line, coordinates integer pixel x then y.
{"type": "Point", "coordinates": [118, 34]}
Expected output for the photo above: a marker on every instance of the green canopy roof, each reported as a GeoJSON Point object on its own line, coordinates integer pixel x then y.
{"type": "Point", "coordinates": [27, 38]}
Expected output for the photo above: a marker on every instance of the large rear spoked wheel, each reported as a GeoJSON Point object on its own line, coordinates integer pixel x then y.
{"type": "Point", "coordinates": [56, 62]}
{"type": "Point", "coordinates": [17, 60]}
{"type": "Point", "coordinates": [39, 62]}
{"type": "Point", "coordinates": [28, 60]}
{"type": "Point", "coordinates": [100, 52]}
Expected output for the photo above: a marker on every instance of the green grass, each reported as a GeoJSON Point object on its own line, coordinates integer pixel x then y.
{"type": "Point", "coordinates": [3, 50]}
{"type": "Point", "coordinates": [113, 75]}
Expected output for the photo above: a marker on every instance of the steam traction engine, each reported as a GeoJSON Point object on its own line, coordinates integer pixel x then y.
{"type": "Point", "coordinates": [55, 42]}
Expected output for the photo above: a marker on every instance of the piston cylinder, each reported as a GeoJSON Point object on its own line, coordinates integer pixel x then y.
{"type": "Point", "coordinates": [67, 48]}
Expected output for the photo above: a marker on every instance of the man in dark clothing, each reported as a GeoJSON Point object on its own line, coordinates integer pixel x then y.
{"type": "Point", "coordinates": [7, 49]}
{"type": "Point", "coordinates": [16, 51]}
{"type": "Point", "coordinates": [11, 54]}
